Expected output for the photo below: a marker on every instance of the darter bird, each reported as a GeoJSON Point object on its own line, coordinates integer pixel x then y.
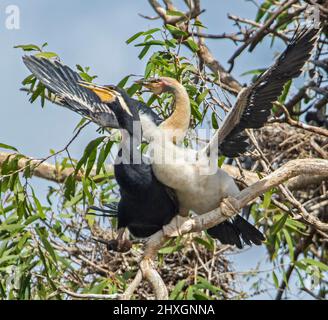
{"type": "Point", "coordinates": [201, 192]}
{"type": "Point", "coordinates": [145, 204]}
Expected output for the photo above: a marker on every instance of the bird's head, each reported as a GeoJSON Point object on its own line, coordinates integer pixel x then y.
{"type": "Point", "coordinates": [118, 101]}
{"type": "Point", "coordinates": [159, 85]}
{"type": "Point", "coordinates": [114, 97]}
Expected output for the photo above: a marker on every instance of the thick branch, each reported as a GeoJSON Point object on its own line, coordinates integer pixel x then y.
{"type": "Point", "coordinates": [53, 173]}
{"type": "Point", "coordinates": [230, 207]}
{"type": "Point", "coordinates": [48, 171]}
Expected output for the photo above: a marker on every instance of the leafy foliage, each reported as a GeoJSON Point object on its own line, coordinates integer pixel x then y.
{"type": "Point", "coordinates": [47, 246]}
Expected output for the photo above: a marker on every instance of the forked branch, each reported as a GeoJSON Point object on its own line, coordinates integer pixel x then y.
{"type": "Point", "coordinates": [228, 208]}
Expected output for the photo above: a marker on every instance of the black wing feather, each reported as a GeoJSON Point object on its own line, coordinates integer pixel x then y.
{"type": "Point", "coordinates": [64, 83]}
{"type": "Point", "coordinates": [267, 89]}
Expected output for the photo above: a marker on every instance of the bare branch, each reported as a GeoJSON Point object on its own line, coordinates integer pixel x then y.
{"type": "Point", "coordinates": [228, 208]}
{"type": "Point", "coordinates": [204, 54]}
{"type": "Point", "coordinates": [297, 124]}
{"type": "Point", "coordinates": [258, 35]}
{"type": "Point", "coordinates": [47, 171]}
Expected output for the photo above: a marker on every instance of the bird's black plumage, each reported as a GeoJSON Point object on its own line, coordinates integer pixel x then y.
{"type": "Point", "coordinates": [259, 97]}
{"type": "Point", "coordinates": [146, 204]}
{"type": "Point", "coordinates": [232, 232]}
{"type": "Point", "coordinates": [64, 83]}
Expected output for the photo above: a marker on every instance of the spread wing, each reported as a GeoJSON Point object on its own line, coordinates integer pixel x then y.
{"type": "Point", "coordinates": [63, 82]}
{"type": "Point", "coordinates": [253, 105]}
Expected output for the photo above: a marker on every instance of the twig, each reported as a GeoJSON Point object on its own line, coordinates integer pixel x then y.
{"type": "Point", "coordinates": [89, 295]}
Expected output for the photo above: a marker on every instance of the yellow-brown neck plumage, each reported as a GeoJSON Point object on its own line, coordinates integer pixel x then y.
{"type": "Point", "coordinates": [178, 122]}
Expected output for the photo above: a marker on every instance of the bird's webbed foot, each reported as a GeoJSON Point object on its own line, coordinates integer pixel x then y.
{"type": "Point", "coordinates": [173, 229]}
{"type": "Point", "coordinates": [229, 206]}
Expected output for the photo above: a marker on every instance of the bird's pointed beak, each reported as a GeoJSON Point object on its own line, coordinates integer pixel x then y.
{"type": "Point", "coordinates": [140, 81]}
{"type": "Point", "coordinates": [143, 82]}
{"type": "Point", "coordinates": [105, 94]}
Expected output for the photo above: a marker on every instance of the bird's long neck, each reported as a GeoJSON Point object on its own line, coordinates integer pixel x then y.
{"type": "Point", "coordinates": [179, 120]}
{"type": "Point", "coordinates": [130, 152]}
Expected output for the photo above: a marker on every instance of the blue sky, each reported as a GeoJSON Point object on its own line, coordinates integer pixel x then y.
{"type": "Point", "coordinates": [93, 33]}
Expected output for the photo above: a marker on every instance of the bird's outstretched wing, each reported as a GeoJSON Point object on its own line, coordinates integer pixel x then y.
{"type": "Point", "coordinates": [62, 81]}
{"type": "Point", "coordinates": [254, 103]}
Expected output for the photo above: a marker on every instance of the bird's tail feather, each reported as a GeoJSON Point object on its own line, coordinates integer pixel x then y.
{"type": "Point", "coordinates": [226, 233]}
{"type": "Point", "coordinates": [248, 232]}
{"type": "Point", "coordinates": [111, 211]}
{"type": "Point", "coordinates": [232, 232]}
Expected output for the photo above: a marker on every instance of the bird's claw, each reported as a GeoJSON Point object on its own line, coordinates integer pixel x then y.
{"type": "Point", "coordinates": [173, 229]}
{"type": "Point", "coordinates": [229, 206]}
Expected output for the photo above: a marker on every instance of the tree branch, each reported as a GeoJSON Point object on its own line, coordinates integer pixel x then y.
{"type": "Point", "coordinates": [204, 53]}
{"type": "Point", "coordinates": [48, 171]}
{"type": "Point", "coordinates": [54, 173]}
{"type": "Point", "coordinates": [228, 208]}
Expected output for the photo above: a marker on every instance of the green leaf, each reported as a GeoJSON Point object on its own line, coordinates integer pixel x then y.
{"type": "Point", "coordinates": [28, 47]}
{"type": "Point", "coordinates": [170, 249]}
{"type": "Point", "coordinates": [284, 94]}
{"type": "Point", "coordinates": [198, 23]}
{"type": "Point", "coordinates": [123, 82]}
{"type": "Point", "coordinates": [202, 96]}
{"type": "Point", "coordinates": [151, 31]}
{"type": "Point", "coordinates": [103, 156]}
{"type": "Point", "coordinates": [177, 289]}
{"type": "Point", "coordinates": [279, 224]}
{"type": "Point", "coordinates": [275, 279]}
{"type": "Point", "coordinates": [31, 219]}
{"type": "Point", "coordinates": [263, 9]}
{"type": "Point", "coordinates": [215, 124]}
{"type": "Point", "coordinates": [11, 227]}
{"type": "Point", "coordinates": [86, 77]}
{"type": "Point", "coordinates": [133, 89]}
{"type": "Point", "coordinates": [151, 43]}
{"type": "Point", "coordinates": [205, 284]}
{"type": "Point", "coordinates": [91, 161]}
{"type": "Point", "coordinates": [47, 55]}
{"type": "Point", "coordinates": [87, 152]}
{"type": "Point", "coordinates": [206, 244]}
{"type": "Point", "coordinates": [221, 161]}
{"type": "Point", "coordinates": [316, 263]}
{"type": "Point", "coordinates": [290, 244]}
{"type": "Point", "coordinates": [46, 244]}
{"type": "Point", "coordinates": [192, 44]}
{"type": "Point", "coordinates": [190, 293]}
{"type": "Point", "coordinates": [195, 110]}
{"type": "Point", "coordinates": [175, 13]}
{"type": "Point", "coordinates": [39, 91]}
{"type": "Point", "coordinates": [39, 207]}
{"type": "Point", "coordinates": [176, 31]}
{"type": "Point", "coordinates": [28, 80]}
{"type": "Point", "coordinates": [73, 201]}
{"type": "Point", "coordinates": [143, 52]}
{"type": "Point", "coordinates": [6, 146]}
{"type": "Point", "coordinates": [267, 199]}
{"type": "Point", "coordinates": [134, 37]}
